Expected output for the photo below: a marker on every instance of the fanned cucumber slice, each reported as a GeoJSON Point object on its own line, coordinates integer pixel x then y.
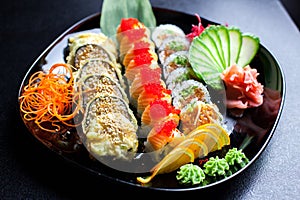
{"type": "Point", "coordinates": [224, 37]}
{"type": "Point", "coordinates": [210, 46]}
{"type": "Point", "coordinates": [212, 30]}
{"type": "Point", "coordinates": [249, 48]}
{"type": "Point", "coordinates": [203, 65]}
{"type": "Point", "coordinates": [217, 48]}
{"type": "Point", "coordinates": [235, 38]}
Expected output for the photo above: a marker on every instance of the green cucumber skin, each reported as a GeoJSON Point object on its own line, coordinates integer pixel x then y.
{"type": "Point", "coordinates": [224, 37]}
{"type": "Point", "coordinates": [219, 47]}
{"type": "Point", "coordinates": [211, 46]}
{"type": "Point", "coordinates": [213, 31]}
{"type": "Point", "coordinates": [203, 66]}
{"type": "Point", "coordinates": [235, 38]}
{"type": "Point", "coordinates": [197, 42]}
{"type": "Point", "coordinates": [249, 48]}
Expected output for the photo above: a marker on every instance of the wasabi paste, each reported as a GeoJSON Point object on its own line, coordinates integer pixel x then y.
{"type": "Point", "coordinates": [190, 174]}
{"type": "Point", "coordinates": [216, 166]}
{"type": "Point", "coordinates": [234, 156]}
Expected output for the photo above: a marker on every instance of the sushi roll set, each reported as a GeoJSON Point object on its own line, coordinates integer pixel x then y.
{"type": "Point", "coordinates": [189, 95]}
{"type": "Point", "coordinates": [109, 126]}
{"type": "Point", "coordinates": [147, 89]}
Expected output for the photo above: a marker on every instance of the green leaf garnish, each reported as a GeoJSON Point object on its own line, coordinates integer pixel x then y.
{"type": "Point", "coordinates": [114, 10]}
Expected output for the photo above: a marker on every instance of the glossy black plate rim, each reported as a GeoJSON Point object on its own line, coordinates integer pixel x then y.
{"type": "Point", "coordinates": [78, 25]}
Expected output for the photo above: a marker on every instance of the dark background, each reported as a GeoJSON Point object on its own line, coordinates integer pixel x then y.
{"type": "Point", "coordinates": [292, 6]}
{"type": "Point", "coordinates": [28, 170]}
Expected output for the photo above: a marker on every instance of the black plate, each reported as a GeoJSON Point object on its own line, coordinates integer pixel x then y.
{"type": "Point", "coordinates": [259, 123]}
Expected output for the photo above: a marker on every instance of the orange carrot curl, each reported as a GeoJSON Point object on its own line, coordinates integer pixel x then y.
{"type": "Point", "coordinates": [51, 98]}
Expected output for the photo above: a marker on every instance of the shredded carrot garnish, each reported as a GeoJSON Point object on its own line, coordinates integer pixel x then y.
{"type": "Point", "coordinates": [51, 98]}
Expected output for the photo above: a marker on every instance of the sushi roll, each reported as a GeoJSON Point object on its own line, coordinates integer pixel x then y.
{"type": "Point", "coordinates": [92, 51]}
{"type": "Point", "coordinates": [161, 32]}
{"type": "Point", "coordinates": [130, 30]}
{"type": "Point", "coordinates": [151, 92]}
{"type": "Point", "coordinates": [103, 104]}
{"type": "Point", "coordinates": [197, 113]}
{"type": "Point", "coordinates": [174, 61]}
{"type": "Point", "coordinates": [100, 84]}
{"type": "Point", "coordinates": [187, 91]}
{"type": "Point", "coordinates": [144, 75]}
{"type": "Point", "coordinates": [109, 128]}
{"type": "Point", "coordinates": [111, 136]}
{"type": "Point", "coordinates": [98, 66]}
{"type": "Point", "coordinates": [145, 44]}
{"type": "Point", "coordinates": [179, 75]}
{"type": "Point", "coordinates": [83, 43]}
{"type": "Point", "coordinates": [130, 27]}
{"type": "Point", "coordinates": [145, 59]}
{"type": "Point", "coordinates": [157, 110]}
{"type": "Point", "coordinates": [171, 45]}
{"type": "Point", "coordinates": [161, 134]}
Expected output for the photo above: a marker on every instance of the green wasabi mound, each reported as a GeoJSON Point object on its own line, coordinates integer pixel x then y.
{"type": "Point", "coordinates": [236, 157]}
{"type": "Point", "coordinates": [216, 166]}
{"type": "Point", "coordinates": [213, 169]}
{"type": "Point", "coordinates": [190, 174]}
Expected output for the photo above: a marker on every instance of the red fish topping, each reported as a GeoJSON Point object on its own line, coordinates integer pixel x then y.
{"type": "Point", "coordinates": [157, 90]}
{"type": "Point", "coordinates": [162, 133]}
{"type": "Point", "coordinates": [132, 29]}
{"type": "Point", "coordinates": [166, 128]}
{"type": "Point", "coordinates": [160, 109]}
{"type": "Point", "coordinates": [143, 57]}
{"type": "Point", "coordinates": [140, 47]}
{"type": "Point", "coordinates": [129, 24]}
{"type": "Point", "coordinates": [149, 75]}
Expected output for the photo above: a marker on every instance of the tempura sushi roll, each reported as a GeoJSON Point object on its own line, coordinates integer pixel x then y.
{"type": "Point", "coordinates": [171, 45]}
{"type": "Point", "coordinates": [104, 104]}
{"type": "Point", "coordinates": [109, 128]}
{"type": "Point", "coordinates": [187, 91]}
{"type": "Point", "coordinates": [98, 66]}
{"type": "Point", "coordinates": [197, 113]}
{"type": "Point", "coordinates": [161, 32]}
{"type": "Point", "coordinates": [100, 84]}
{"type": "Point", "coordinates": [90, 45]}
{"type": "Point", "coordinates": [111, 135]}
{"type": "Point", "coordinates": [92, 51]}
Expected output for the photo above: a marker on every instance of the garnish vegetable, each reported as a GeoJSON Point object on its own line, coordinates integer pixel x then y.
{"type": "Point", "coordinates": [114, 10]}
{"type": "Point", "coordinates": [212, 169]}
{"type": "Point", "coordinates": [50, 98]}
{"type": "Point", "coordinates": [217, 48]}
{"type": "Point", "coordinates": [242, 88]}
{"type": "Point", "coordinates": [196, 29]}
{"type": "Point", "coordinates": [197, 144]}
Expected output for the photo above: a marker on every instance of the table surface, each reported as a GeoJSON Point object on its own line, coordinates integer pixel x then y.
{"type": "Point", "coordinates": [29, 171]}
